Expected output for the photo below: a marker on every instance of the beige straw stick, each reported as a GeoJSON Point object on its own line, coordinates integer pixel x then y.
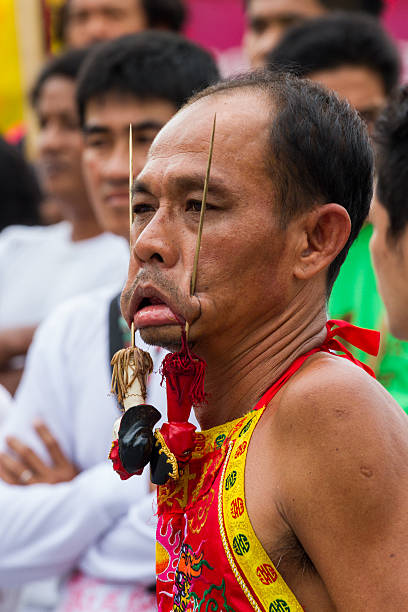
{"type": "Point", "coordinates": [132, 328]}
{"type": "Point", "coordinates": [201, 221]}
{"type": "Point", "coordinates": [130, 180]}
{"type": "Point", "coordinates": [203, 206]}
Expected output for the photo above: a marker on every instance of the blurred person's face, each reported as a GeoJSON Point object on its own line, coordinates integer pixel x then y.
{"type": "Point", "coordinates": [268, 20]}
{"type": "Point", "coordinates": [60, 139]}
{"type": "Point", "coordinates": [106, 153]}
{"type": "Point", "coordinates": [390, 260]}
{"type": "Point", "coordinates": [89, 21]}
{"type": "Point", "coordinates": [362, 87]}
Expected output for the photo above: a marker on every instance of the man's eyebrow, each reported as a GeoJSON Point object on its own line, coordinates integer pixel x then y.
{"type": "Point", "coordinates": [149, 124]}
{"type": "Point", "coordinates": [195, 182]}
{"type": "Point", "coordinates": [94, 129]}
{"type": "Point", "coordinates": [140, 187]}
{"type": "Point", "coordinates": [190, 182]}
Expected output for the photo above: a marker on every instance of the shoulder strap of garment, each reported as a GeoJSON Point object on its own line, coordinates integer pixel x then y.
{"type": "Point", "coordinates": [367, 340]}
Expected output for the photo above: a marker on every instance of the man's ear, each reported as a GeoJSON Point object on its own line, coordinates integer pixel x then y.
{"type": "Point", "coordinates": [325, 231]}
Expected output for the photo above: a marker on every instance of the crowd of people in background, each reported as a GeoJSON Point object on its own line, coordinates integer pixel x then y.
{"type": "Point", "coordinates": [64, 252]}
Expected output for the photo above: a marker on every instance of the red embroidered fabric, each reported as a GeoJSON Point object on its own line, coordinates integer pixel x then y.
{"type": "Point", "coordinates": [200, 558]}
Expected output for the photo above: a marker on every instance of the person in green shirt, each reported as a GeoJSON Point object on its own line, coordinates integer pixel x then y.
{"type": "Point", "coordinates": [355, 298]}
{"type": "Point", "coordinates": [389, 242]}
{"type": "Point", "coordinates": [353, 55]}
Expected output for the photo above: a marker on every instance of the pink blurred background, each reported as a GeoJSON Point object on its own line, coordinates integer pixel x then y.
{"type": "Point", "coordinates": [219, 24]}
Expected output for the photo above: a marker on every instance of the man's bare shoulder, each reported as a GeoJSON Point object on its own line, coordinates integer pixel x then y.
{"type": "Point", "coordinates": [339, 444]}
{"type": "Point", "coordinates": [331, 395]}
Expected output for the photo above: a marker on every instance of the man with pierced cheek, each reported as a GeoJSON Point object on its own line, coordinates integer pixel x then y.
{"type": "Point", "coordinates": [294, 497]}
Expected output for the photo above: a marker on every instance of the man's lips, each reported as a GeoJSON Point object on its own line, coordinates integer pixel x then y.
{"type": "Point", "coordinates": [154, 314]}
{"type": "Point", "coordinates": [51, 167]}
{"type": "Point", "coordinates": [149, 308]}
{"type": "Point", "coordinates": [117, 199]}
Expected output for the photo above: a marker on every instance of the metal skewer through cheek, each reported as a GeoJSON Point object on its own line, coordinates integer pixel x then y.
{"type": "Point", "coordinates": [132, 327]}
{"type": "Point", "coordinates": [201, 221]}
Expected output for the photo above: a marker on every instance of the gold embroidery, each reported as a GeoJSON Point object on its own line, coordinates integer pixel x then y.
{"type": "Point", "coordinates": [169, 455]}
{"type": "Point", "coordinates": [244, 551]}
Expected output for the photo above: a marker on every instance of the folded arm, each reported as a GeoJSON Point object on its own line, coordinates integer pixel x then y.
{"type": "Point", "coordinates": [46, 528]}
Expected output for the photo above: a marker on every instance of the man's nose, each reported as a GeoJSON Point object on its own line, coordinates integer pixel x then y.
{"type": "Point", "coordinates": [97, 29]}
{"type": "Point", "coordinates": [50, 139]}
{"type": "Point", "coordinates": [116, 167]}
{"type": "Point", "coordinates": [157, 242]}
{"type": "Point", "coordinates": [266, 43]}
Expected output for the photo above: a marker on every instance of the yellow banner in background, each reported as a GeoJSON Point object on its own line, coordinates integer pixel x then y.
{"type": "Point", "coordinates": [11, 89]}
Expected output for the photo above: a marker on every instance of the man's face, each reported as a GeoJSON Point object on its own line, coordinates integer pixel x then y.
{"type": "Point", "coordinates": [390, 260]}
{"type": "Point", "coordinates": [268, 20]}
{"type": "Point", "coordinates": [244, 269]}
{"type": "Point", "coordinates": [362, 87]}
{"type": "Point", "coordinates": [106, 151]}
{"type": "Point", "coordinates": [59, 139]}
{"type": "Point", "coordinates": [91, 21]}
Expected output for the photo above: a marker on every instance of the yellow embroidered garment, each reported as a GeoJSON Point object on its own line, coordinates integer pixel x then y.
{"type": "Point", "coordinates": [208, 556]}
{"type": "Point", "coordinates": [207, 551]}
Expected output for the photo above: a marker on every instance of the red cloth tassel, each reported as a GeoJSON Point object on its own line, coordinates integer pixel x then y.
{"type": "Point", "coordinates": [184, 375]}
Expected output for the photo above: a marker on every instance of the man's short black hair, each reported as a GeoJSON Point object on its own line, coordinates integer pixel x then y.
{"type": "Point", "coordinates": [166, 14]}
{"type": "Point", "coordinates": [319, 150]}
{"type": "Point", "coordinates": [20, 192]}
{"type": "Point", "coordinates": [65, 65]}
{"type": "Point", "coordinates": [150, 64]}
{"type": "Point", "coordinates": [169, 14]}
{"type": "Point", "coordinates": [373, 7]}
{"type": "Point", "coordinates": [391, 138]}
{"type": "Point", "coordinates": [335, 40]}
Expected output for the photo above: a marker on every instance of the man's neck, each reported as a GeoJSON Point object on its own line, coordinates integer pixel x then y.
{"type": "Point", "coordinates": [235, 384]}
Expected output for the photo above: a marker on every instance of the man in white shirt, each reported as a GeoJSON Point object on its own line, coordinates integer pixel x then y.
{"type": "Point", "coordinates": [92, 522]}
{"type": "Point", "coordinates": [5, 403]}
{"type": "Point", "coordinates": [268, 20]}
{"type": "Point", "coordinates": [87, 21]}
{"type": "Point", "coordinates": [42, 266]}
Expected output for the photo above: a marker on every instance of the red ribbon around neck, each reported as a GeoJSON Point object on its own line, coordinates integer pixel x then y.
{"type": "Point", "coordinates": [366, 340]}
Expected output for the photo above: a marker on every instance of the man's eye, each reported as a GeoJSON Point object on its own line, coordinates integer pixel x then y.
{"type": "Point", "coordinates": [95, 143]}
{"type": "Point", "coordinates": [78, 18]}
{"type": "Point", "coordinates": [258, 25]}
{"type": "Point", "coordinates": [143, 140]}
{"type": "Point", "coordinates": [194, 205]}
{"type": "Point", "coordinates": [139, 209]}
{"type": "Point", "coordinates": [70, 124]}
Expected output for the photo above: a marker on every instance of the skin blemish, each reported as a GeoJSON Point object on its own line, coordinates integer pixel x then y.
{"type": "Point", "coordinates": [340, 413]}
{"type": "Point", "coordinates": [366, 471]}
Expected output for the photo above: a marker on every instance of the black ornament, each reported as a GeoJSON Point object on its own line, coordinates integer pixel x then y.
{"type": "Point", "coordinates": [163, 464]}
{"type": "Point", "coordinates": [136, 439]}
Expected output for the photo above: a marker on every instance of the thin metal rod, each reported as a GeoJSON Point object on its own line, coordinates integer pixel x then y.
{"type": "Point", "coordinates": [130, 180]}
{"type": "Point", "coordinates": [132, 328]}
{"type": "Point", "coordinates": [201, 221]}
{"type": "Point", "coordinates": [203, 207]}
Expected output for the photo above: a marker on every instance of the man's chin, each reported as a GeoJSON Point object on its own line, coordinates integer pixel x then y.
{"type": "Point", "coordinates": [165, 336]}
